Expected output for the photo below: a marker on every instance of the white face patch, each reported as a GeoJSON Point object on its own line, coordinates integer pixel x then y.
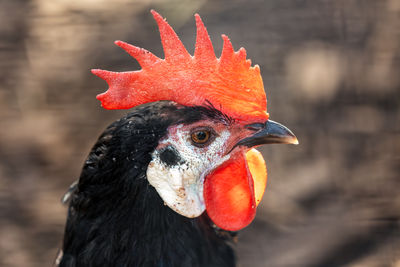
{"type": "Point", "coordinates": [180, 184]}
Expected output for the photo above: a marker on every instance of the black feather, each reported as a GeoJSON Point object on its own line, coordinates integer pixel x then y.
{"type": "Point", "coordinates": [116, 218]}
{"type": "Point", "coordinates": [170, 156]}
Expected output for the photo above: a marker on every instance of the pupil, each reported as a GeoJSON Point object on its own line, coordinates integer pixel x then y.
{"type": "Point", "coordinates": [201, 135]}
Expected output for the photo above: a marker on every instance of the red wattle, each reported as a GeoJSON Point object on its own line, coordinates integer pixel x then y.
{"type": "Point", "coordinates": [229, 194]}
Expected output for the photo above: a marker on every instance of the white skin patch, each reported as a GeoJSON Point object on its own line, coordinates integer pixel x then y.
{"type": "Point", "coordinates": [181, 185]}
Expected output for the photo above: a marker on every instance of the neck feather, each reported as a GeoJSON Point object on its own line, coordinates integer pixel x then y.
{"type": "Point", "coordinates": [116, 218]}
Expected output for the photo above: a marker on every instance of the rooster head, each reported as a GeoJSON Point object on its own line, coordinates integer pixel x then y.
{"type": "Point", "coordinates": [210, 163]}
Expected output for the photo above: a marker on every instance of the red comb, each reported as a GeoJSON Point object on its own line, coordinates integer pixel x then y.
{"type": "Point", "coordinates": [228, 83]}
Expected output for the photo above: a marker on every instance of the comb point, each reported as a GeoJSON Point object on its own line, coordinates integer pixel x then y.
{"type": "Point", "coordinates": [204, 49]}
{"type": "Point", "coordinates": [104, 74]}
{"type": "Point", "coordinates": [242, 53]}
{"type": "Point", "coordinates": [144, 57]}
{"type": "Point", "coordinates": [174, 50]}
{"type": "Point", "coordinates": [227, 49]}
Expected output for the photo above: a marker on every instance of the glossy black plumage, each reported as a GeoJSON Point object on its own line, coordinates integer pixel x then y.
{"type": "Point", "coordinates": [116, 218]}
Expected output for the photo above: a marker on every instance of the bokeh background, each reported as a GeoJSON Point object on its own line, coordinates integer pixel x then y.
{"type": "Point", "coordinates": [331, 69]}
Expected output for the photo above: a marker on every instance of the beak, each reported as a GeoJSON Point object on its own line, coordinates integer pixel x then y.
{"type": "Point", "coordinates": [269, 133]}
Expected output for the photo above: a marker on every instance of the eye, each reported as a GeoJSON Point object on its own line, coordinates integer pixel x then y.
{"type": "Point", "coordinates": [201, 137]}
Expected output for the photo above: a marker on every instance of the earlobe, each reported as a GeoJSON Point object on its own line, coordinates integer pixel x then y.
{"type": "Point", "coordinates": [258, 170]}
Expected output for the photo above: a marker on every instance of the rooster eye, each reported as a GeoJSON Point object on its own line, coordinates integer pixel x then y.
{"type": "Point", "coordinates": [200, 137]}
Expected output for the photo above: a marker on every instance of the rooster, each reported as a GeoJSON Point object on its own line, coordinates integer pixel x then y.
{"type": "Point", "coordinates": [170, 183]}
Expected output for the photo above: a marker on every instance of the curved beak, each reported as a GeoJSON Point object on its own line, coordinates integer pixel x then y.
{"type": "Point", "coordinates": [269, 133]}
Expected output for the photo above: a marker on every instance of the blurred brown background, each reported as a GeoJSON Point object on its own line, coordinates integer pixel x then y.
{"type": "Point", "coordinates": [332, 74]}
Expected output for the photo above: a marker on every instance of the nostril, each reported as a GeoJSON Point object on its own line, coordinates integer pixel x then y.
{"type": "Point", "coordinates": [255, 126]}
